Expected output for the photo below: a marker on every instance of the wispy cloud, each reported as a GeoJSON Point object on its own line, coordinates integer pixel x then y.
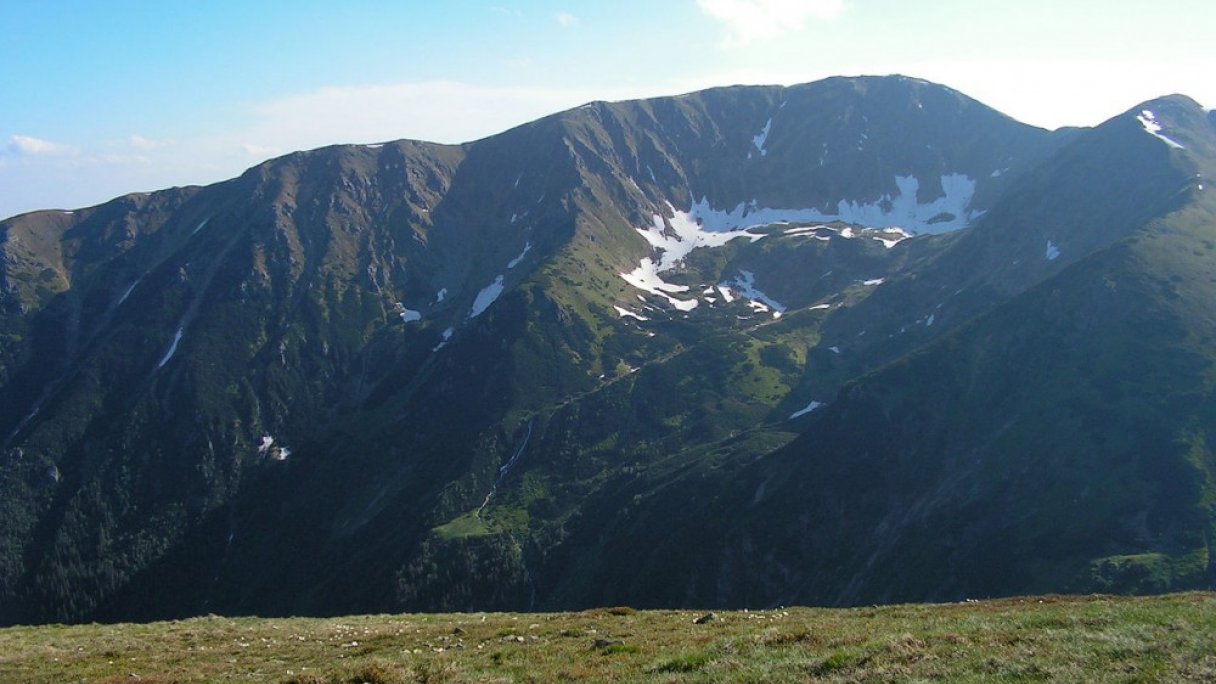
{"type": "Point", "coordinates": [440, 111]}
{"type": "Point", "coordinates": [110, 159]}
{"type": "Point", "coordinates": [141, 143]}
{"type": "Point", "coordinates": [747, 21]}
{"type": "Point", "coordinates": [261, 151]}
{"type": "Point", "coordinates": [27, 146]}
{"type": "Point", "coordinates": [566, 19]}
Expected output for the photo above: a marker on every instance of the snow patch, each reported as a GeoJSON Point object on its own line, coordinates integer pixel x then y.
{"type": "Point", "coordinates": [267, 448]}
{"type": "Point", "coordinates": [698, 227]}
{"type": "Point", "coordinates": [626, 313]}
{"type": "Point", "coordinates": [1052, 252]}
{"type": "Point", "coordinates": [806, 230]}
{"type": "Point", "coordinates": [889, 241]}
{"type": "Point", "coordinates": [874, 281]}
{"type": "Point", "coordinates": [177, 337]}
{"type": "Point", "coordinates": [834, 349]}
{"type": "Point", "coordinates": [704, 226]}
{"type": "Point", "coordinates": [447, 335]}
{"type": "Point", "coordinates": [519, 451]}
{"type": "Point", "coordinates": [128, 292]}
{"type": "Point", "coordinates": [646, 278]}
{"type": "Point", "coordinates": [818, 307]}
{"type": "Point", "coordinates": [486, 297]}
{"type": "Point", "coordinates": [947, 213]}
{"type": "Point", "coordinates": [515, 262]}
{"type": "Point", "coordinates": [200, 226]}
{"type": "Point", "coordinates": [408, 315]}
{"type": "Point", "coordinates": [1148, 120]}
{"type": "Point", "coordinates": [374, 147]}
{"type": "Point", "coordinates": [28, 417]}
{"type": "Point", "coordinates": [760, 307]}
{"type": "Point", "coordinates": [760, 138]}
{"type": "Point", "coordinates": [441, 295]}
{"type": "Point", "coordinates": [802, 412]}
{"type": "Point", "coordinates": [944, 214]}
{"type": "Point", "coordinates": [745, 285]}
{"type": "Point", "coordinates": [929, 321]}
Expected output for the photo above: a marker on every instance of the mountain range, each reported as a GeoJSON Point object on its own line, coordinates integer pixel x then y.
{"type": "Point", "coordinates": [855, 341]}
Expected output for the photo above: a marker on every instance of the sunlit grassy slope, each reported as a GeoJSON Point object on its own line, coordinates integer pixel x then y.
{"type": "Point", "coordinates": [1098, 638]}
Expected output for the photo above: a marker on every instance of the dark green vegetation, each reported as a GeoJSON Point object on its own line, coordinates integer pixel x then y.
{"type": "Point", "coordinates": [211, 400]}
{"type": "Point", "coordinates": [1166, 639]}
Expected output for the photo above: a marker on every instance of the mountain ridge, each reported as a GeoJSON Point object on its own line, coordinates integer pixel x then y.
{"type": "Point", "coordinates": [462, 376]}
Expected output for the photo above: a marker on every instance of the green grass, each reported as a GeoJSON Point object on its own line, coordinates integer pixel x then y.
{"type": "Point", "coordinates": [467, 525]}
{"type": "Point", "coordinates": [1098, 638]}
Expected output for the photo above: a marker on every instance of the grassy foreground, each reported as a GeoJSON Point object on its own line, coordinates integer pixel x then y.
{"type": "Point", "coordinates": [1167, 638]}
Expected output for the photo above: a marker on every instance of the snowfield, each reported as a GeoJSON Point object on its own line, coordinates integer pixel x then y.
{"type": "Point", "coordinates": [899, 216]}
{"type": "Point", "coordinates": [486, 297]}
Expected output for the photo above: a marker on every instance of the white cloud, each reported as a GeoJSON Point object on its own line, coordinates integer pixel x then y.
{"type": "Point", "coordinates": [438, 111]}
{"type": "Point", "coordinates": [1044, 92]}
{"type": "Point", "coordinates": [262, 151]}
{"type": "Point", "coordinates": [115, 160]}
{"type": "Point", "coordinates": [747, 21]}
{"type": "Point", "coordinates": [566, 19]}
{"type": "Point", "coordinates": [26, 145]}
{"type": "Point", "coordinates": [141, 143]}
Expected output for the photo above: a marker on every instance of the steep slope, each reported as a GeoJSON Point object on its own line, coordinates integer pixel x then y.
{"type": "Point", "coordinates": [1059, 442]}
{"type": "Point", "coordinates": [454, 377]}
{"type": "Point", "coordinates": [1101, 186]}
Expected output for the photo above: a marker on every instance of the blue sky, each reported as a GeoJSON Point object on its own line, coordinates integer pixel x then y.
{"type": "Point", "coordinates": [99, 98]}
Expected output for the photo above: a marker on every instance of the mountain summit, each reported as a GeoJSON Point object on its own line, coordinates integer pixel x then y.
{"type": "Point", "coordinates": [858, 340]}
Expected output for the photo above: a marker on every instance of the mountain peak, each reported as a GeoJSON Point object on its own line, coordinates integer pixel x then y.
{"type": "Point", "coordinates": [515, 371]}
